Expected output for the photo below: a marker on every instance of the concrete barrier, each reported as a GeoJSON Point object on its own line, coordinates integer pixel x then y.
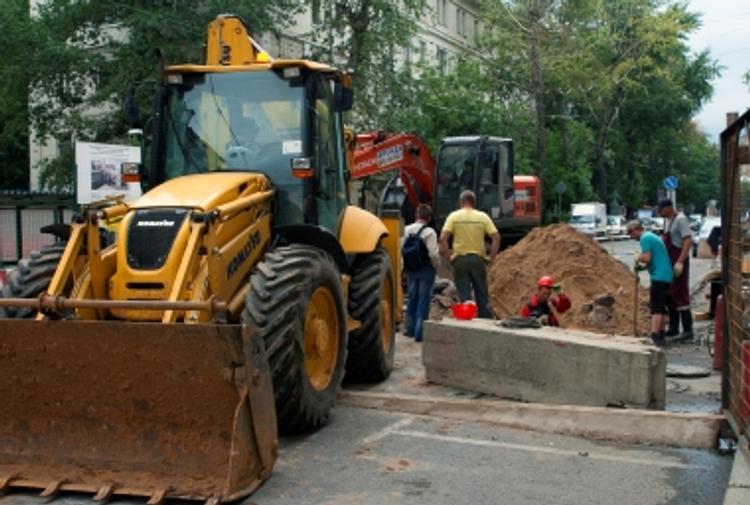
{"type": "Point", "coordinates": [676, 429]}
{"type": "Point", "coordinates": [549, 365]}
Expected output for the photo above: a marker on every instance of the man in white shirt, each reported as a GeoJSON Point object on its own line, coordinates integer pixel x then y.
{"type": "Point", "coordinates": [420, 275]}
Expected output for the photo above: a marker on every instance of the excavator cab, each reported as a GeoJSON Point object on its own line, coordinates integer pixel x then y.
{"type": "Point", "coordinates": [481, 164]}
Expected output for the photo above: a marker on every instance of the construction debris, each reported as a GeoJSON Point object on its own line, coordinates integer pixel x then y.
{"type": "Point", "coordinates": [599, 285]}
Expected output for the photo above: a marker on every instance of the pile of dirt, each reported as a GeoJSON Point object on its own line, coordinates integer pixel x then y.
{"type": "Point", "coordinates": [600, 286]}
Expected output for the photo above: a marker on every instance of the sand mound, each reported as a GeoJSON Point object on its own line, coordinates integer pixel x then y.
{"type": "Point", "coordinates": [584, 269]}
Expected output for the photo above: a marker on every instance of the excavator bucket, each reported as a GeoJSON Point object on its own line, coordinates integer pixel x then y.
{"type": "Point", "coordinates": [118, 408]}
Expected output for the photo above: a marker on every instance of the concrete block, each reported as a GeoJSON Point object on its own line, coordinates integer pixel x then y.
{"type": "Point", "coordinates": [738, 489]}
{"type": "Point", "coordinates": [550, 365]}
{"type": "Point", "coordinates": [631, 426]}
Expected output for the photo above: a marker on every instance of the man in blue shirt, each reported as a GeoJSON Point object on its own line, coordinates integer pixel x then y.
{"type": "Point", "coordinates": [654, 258]}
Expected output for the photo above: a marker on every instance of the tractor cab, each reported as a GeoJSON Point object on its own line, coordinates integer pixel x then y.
{"type": "Point", "coordinates": [281, 118]}
{"type": "Point", "coordinates": [481, 164]}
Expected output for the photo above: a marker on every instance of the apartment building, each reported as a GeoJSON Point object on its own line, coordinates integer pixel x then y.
{"type": "Point", "coordinates": [447, 28]}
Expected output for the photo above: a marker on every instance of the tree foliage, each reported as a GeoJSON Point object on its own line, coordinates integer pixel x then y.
{"type": "Point", "coordinates": [596, 94]}
{"type": "Point", "coordinates": [14, 93]}
{"type": "Point", "coordinates": [366, 37]}
{"type": "Point", "coordinates": [81, 58]}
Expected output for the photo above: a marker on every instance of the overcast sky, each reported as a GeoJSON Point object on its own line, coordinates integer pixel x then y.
{"type": "Point", "coordinates": [726, 33]}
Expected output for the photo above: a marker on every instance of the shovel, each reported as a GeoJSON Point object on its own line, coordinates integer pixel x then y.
{"type": "Point", "coordinates": [635, 304]}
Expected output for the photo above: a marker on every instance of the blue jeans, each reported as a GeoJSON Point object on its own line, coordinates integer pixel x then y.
{"type": "Point", "coordinates": [419, 294]}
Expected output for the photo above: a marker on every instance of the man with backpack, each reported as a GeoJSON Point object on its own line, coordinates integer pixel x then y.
{"type": "Point", "coordinates": [419, 250]}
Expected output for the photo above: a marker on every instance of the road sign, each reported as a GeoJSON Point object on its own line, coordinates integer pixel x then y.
{"type": "Point", "coordinates": [561, 187]}
{"type": "Point", "coordinates": [670, 183]}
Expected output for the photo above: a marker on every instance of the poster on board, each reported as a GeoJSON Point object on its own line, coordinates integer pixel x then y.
{"type": "Point", "coordinates": [99, 174]}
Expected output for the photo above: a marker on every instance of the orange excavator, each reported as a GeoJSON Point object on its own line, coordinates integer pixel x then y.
{"type": "Point", "coordinates": [398, 170]}
{"type": "Point", "coordinates": [392, 170]}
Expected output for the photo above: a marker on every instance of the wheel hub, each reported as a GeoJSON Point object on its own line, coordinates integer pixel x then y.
{"type": "Point", "coordinates": [321, 338]}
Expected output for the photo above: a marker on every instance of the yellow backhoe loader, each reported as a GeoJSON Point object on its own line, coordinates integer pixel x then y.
{"type": "Point", "coordinates": [235, 295]}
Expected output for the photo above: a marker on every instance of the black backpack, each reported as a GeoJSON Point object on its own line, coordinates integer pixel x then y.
{"type": "Point", "coordinates": [414, 252]}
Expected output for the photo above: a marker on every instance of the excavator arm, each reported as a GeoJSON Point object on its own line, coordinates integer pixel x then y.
{"type": "Point", "coordinates": [378, 153]}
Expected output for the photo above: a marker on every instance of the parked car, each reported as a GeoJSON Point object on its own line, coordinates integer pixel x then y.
{"type": "Point", "coordinates": [704, 232]}
{"type": "Point", "coordinates": [695, 222]}
{"type": "Point", "coordinates": [657, 225]}
{"type": "Point", "coordinates": [615, 225]}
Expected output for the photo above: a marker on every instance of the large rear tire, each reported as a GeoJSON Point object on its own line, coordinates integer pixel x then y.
{"type": "Point", "coordinates": [30, 279]}
{"type": "Point", "coordinates": [372, 301]}
{"type": "Point", "coordinates": [296, 305]}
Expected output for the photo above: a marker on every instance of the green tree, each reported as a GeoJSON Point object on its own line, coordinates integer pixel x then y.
{"type": "Point", "coordinates": [367, 36]}
{"type": "Point", "coordinates": [14, 93]}
{"type": "Point", "coordinates": [84, 57]}
{"type": "Point", "coordinates": [522, 40]}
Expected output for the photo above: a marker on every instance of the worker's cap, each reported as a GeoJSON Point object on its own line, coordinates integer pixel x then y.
{"type": "Point", "coordinates": [545, 282]}
{"type": "Point", "coordinates": [634, 224]}
{"type": "Point", "coordinates": [664, 203]}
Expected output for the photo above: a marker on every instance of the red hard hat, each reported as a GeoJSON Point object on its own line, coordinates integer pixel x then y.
{"type": "Point", "coordinates": [545, 282]}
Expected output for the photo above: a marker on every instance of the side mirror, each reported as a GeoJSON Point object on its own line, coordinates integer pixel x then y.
{"type": "Point", "coordinates": [343, 97]}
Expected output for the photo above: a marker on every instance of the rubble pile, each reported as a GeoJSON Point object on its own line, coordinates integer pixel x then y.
{"type": "Point", "coordinates": [443, 297]}
{"type": "Point", "coordinates": [600, 286]}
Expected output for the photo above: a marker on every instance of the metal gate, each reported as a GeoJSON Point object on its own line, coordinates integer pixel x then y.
{"type": "Point", "coordinates": [21, 217]}
{"type": "Point", "coordinates": [735, 179]}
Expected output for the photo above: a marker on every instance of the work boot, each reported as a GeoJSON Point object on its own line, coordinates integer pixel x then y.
{"type": "Point", "coordinates": [674, 323]}
{"type": "Point", "coordinates": [657, 339]}
{"type": "Point", "coordinates": [687, 325]}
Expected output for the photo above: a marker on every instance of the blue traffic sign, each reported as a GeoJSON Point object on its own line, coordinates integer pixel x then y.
{"type": "Point", "coordinates": [670, 183]}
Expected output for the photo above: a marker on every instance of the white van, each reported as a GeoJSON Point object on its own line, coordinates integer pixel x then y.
{"type": "Point", "coordinates": [589, 218]}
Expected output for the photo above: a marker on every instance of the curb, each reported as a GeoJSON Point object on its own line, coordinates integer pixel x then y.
{"type": "Point", "coordinates": [738, 489]}
{"type": "Point", "coordinates": [688, 430]}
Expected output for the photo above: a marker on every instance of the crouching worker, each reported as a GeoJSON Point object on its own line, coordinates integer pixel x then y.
{"type": "Point", "coordinates": [545, 304]}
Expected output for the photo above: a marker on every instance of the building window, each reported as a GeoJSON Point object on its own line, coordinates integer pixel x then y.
{"type": "Point", "coordinates": [461, 22]}
{"type": "Point", "coordinates": [422, 51]}
{"type": "Point", "coordinates": [477, 30]}
{"type": "Point", "coordinates": [442, 8]}
{"type": "Point", "coordinates": [442, 57]}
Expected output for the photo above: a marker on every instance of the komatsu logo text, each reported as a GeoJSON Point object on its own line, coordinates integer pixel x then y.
{"type": "Point", "coordinates": [162, 223]}
{"type": "Point", "coordinates": [239, 258]}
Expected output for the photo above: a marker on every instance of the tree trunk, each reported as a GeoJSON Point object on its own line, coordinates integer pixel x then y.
{"type": "Point", "coordinates": [600, 169]}
{"type": "Point", "coordinates": [537, 85]}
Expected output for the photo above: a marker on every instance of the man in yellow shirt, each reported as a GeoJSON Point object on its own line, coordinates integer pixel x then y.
{"type": "Point", "coordinates": [468, 227]}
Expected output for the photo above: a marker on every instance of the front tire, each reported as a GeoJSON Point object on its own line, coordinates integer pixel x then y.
{"type": "Point", "coordinates": [296, 305]}
{"type": "Point", "coordinates": [372, 300]}
{"type": "Point", "coordinates": [30, 279]}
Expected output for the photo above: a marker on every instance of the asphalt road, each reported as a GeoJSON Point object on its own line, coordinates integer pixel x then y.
{"type": "Point", "coordinates": [371, 457]}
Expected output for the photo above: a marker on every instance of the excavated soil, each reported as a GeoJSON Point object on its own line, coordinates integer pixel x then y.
{"type": "Point", "coordinates": [584, 270]}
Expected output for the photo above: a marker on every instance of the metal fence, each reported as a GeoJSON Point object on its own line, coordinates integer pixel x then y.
{"type": "Point", "coordinates": [735, 159]}
{"type": "Point", "coordinates": [22, 216]}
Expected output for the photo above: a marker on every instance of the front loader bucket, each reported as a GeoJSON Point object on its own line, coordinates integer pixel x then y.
{"type": "Point", "coordinates": [145, 409]}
